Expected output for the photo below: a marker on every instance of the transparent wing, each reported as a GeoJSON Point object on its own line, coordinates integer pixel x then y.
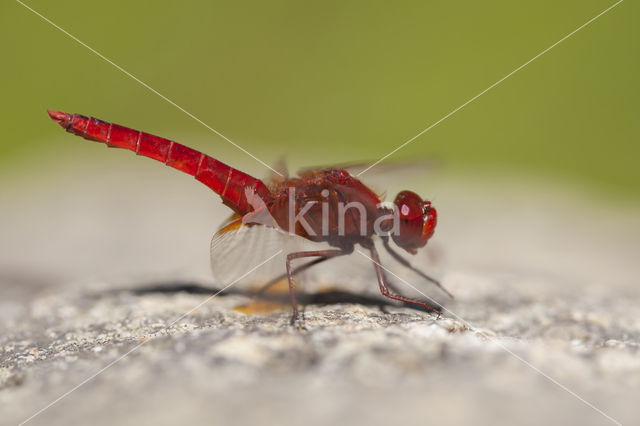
{"type": "Point", "coordinates": [385, 176]}
{"type": "Point", "coordinates": [239, 252]}
{"type": "Point", "coordinates": [386, 169]}
{"type": "Point", "coordinates": [278, 175]}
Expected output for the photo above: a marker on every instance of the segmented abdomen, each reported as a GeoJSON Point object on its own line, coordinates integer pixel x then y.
{"type": "Point", "coordinates": [231, 184]}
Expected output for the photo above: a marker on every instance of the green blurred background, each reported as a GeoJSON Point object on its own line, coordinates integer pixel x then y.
{"type": "Point", "coordinates": [334, 81]}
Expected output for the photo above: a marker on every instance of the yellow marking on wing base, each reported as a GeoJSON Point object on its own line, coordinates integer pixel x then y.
{"type": "Point", "coordinates": [233, 226]}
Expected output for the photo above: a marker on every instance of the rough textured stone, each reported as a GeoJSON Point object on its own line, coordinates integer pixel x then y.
{"type": "Point", "coordinates": [539, 307]}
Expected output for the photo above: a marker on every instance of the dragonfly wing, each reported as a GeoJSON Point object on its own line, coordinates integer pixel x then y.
{"type": "Point", "coordinates": [383, 176]}
{"type": "Point", "coordinates": [393, 168]}
{"type": "Point", "coordinates": [278, 175]}
{"type": "Point", "coordinates": [249, 256]}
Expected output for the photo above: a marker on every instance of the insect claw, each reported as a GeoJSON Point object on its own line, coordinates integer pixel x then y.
{"type": "Point", "coordinates": [294, 318]}
{"type": "Point", "coordinates": [297, 322]}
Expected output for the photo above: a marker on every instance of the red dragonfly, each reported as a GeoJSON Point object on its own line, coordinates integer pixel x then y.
{"type": "Point", "coordinates": [325, 206]}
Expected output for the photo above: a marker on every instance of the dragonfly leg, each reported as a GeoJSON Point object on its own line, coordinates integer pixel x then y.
{"type": "Point", "coordinates": [325, 254]}
{"type": "Point", "coordinates": [406, 263]}
{"type": "Point", "coordinates": [295, 271]}
{"type": "Point", "coordinates": [384, 289]}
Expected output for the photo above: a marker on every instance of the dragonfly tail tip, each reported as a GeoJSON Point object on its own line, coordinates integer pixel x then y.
{"type": "Point", "coordinates": [62, 118]}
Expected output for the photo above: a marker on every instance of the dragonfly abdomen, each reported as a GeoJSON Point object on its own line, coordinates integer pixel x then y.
{"type": "Point", "coordinates": [231, 184]}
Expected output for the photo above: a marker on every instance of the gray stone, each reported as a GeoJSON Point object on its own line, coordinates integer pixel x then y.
{"type": "Point", "coordinates": [546, 322]}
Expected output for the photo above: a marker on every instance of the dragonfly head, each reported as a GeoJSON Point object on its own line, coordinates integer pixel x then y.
{"type": "Point", "coordinates": [417, 221]}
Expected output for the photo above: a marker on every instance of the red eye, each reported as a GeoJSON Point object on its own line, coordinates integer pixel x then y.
{"type": "Point", "coordinates": [409, 205]}
{"type": "Point", "coordinates": [417, 221]}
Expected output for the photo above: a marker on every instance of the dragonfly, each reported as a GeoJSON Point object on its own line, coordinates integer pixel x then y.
{"type": "Point", "coordinates": [328, 207]}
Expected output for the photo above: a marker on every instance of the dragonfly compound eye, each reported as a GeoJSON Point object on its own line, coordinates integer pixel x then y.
{"type": "Point", "coordinates": [417, 221]}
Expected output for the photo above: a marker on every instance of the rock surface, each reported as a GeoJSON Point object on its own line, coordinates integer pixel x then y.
{"type": "Point", "coordinates": [545, 327]}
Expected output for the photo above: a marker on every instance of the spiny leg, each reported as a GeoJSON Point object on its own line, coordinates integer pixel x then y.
{"type": "Point", "coordinates": [384, 289]}
{"type": "Point", "coordinates": [300, 254]}
{"type": "Point", "coordinates": [406, 263]}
